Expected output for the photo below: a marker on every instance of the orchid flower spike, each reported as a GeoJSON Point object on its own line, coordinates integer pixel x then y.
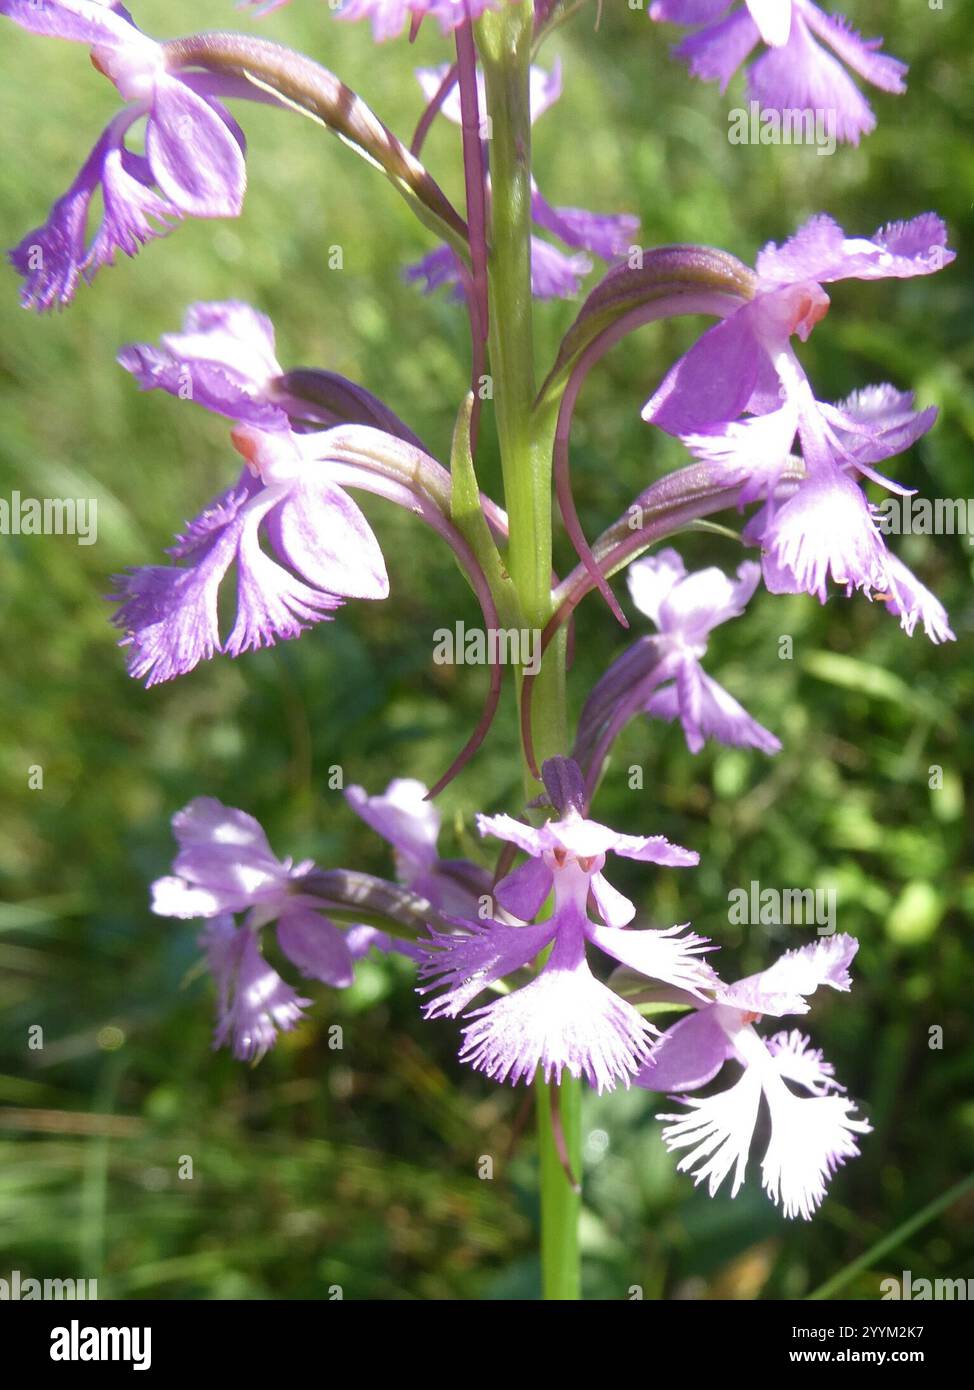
{"type": "Point", "coordinates": [553, 273]}
{"type": "Point", "coordinates": [564, 1019]}
{"type": "Point", "coordinates": [662, 676]}
{"type": "Point", "coordinates": [812, 1129]}
{"type": "Point", "coordinates": [225, 867]}
{"type": "Point", "coordinates": [745, 365]}
{"type": "Point", "coordinates": [192, 165]}
{"type": "Point", "coordinates": [794, 71]}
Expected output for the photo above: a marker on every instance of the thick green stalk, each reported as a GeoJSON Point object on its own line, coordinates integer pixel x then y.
{"type": "Point", "coordinates": [561, 1204]}
{"type": "Point", "coordinates": [504, 39]}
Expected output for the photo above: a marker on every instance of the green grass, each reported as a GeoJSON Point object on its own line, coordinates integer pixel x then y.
{"type": "Point", "coordinates": [359, 1167]}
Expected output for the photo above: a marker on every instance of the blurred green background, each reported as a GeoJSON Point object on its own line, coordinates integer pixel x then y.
{"type": "Point", "coordinates": [359, 1167]}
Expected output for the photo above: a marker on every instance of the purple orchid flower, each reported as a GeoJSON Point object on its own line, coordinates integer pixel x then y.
{"type": "Point", "coordinates": [224, 867]}
{"type": "Point", "coordinates": [405, 817]}
{"type": "Point", "coordinates": [564, 1019]}
{"type": "Point", "coordinates": [224, 360]}
{"type": "Point", "coordinates": [746, 364]}
{"type": "Point", "coordinates": [812, 1134]}
{"type": "Point", "coordinates": [554, 274]}
{"type": "Point", "coordinates": [193, 164]}
{"type": "Point", "coordinates": [662, 676]}
{"type": "Point", "coordinates": [795, 72]}
{"type": "Point", "coordinates": [291, 492]}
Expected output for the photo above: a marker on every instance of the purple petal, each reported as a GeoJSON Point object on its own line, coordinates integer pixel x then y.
{"type": "Point", "coordinates": [688, 1055]}
{"type": "Point", "coordinates": [555, 275]}
{"type": "Point", "coordinates": [706, 710]}
{"type": "Point", "coordinates": [195, 158]}
{"type": "Point", "coordinates": [523, 892]}
{"type": "Point", "coordinates": [651, 578]}
{"type": "Point", "coordinates": [781, 989]}
{"type": "Point", "coordinates": [820, 251]}
{"type": "Point", "coordinates": [614, 907]}
{"type": "Point", "coordinates": [687, 11]}
{"type": "Point", "coordinates": [824, 529]}
{"type": "Point", "coordinates": [713, 382]}
{"type": "Point", "coordinates": [169, 612]}
{"type": "Point", "coordinates": [84, 21]}
{"type": "Point", "coordinates": [659, 955]}
{"type": "Point", "coordinates": [316, 946]}
{"type": "Point", "coordinates": [440, 267]}
{"type": "Point", "coordinates": [803, 76]}
{"type": "Point", "coordinates": [714, 54]}
{"type": "Point", "coordinates": [206, 821]}
{"type": "Point", "coordinates": [912, 602]}
{"type": "Point", "coordinates": [515, 832]}
{"type": "Point", "coordinates": [856, 52]}
{"type": "Point", "coordinates": [878, 422]}
{"type": "Point", "coordinates": [655, 849]}
{"type": "Point", "coordinates": [815, 249]}
{"type": "Point", "coordinates": [51, 257]}
{"type": "Point", "coordinates": [133, 213]}
{"type": "Point", "coordinates": [272, 604]}
{"type": "Point", "coordinates": [753, 452]}
{"type": "Point", "coordinates": [362, 939]}
{"type": "Point", "coordinates": [261, 1004]}
{"type": "Point", "coordinates": [223, 359]}
{"type": "Point", "coordinates": [403, 817]}
{"type": "Point", "coordinates": [605, 234]}
{"type": "Point", "coordinates": [464, 964]}
{"type": "Point", "coordinates": [702, 600]}
{"type": "Point", "coordinates": [320, 531]}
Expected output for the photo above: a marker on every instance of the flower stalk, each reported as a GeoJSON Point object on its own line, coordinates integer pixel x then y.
{"type": "Point", "coordinates": [504, 42]}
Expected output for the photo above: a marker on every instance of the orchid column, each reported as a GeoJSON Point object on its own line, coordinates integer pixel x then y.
{"type": "Point", "coordinates": [504, 39]}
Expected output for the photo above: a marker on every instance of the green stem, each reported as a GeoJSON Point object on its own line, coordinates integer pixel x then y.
{"type": "Point", "coordinates": [504, 40]}
{"type": "Point", "coordinates": [561, 1204]}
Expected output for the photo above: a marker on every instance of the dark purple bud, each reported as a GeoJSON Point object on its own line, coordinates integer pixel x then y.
{"type": "Point", "coordinates": [564, 784]}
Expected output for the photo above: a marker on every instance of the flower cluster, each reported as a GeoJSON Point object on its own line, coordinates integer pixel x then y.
{"type": "Point", "coordinates": [739, 397]}
{"type": "Point", "coordinates": [552, 1014]}
{"type": "Point", "coordinates": [543, 959]}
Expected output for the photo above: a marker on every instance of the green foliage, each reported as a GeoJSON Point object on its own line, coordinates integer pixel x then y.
{"type": "Point", "coordinates": [359, 1167]}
